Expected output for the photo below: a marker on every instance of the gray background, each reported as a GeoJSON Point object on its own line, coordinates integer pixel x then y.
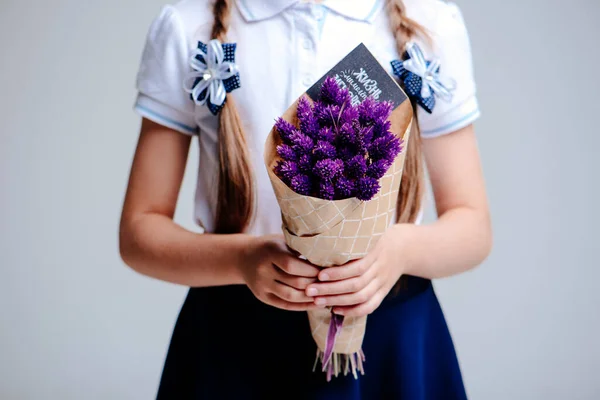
{"type": "Point", "coordinates": [75, 323]}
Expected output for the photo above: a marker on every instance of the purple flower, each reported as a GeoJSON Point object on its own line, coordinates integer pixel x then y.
{"type": "Point", "coordinates": [326, 134]}
{"type": "Point", "coordinates": [346, 134]}
{"type": "Point", "coordinates": [286, 170]}
{"type": "Point", "coordinates": [349, 115]}
{"type": "Point", "coordinates": [356, 166]}
{"type": "Point", "coordinates": [331, 93]}
{"type": "Point", "coordinates": [344, 188]}
{"type": "Point", "coordinates": [328, 115]}
{"type": "Point", "coordinates": [326, 190]}
{"type": "Point", "coordinates": [366, 111]}
{"type": "Point", "coordinates": [366, 188]}
{"type": "Point", "coordinates": [346, 152]}
{"type": "Point", "coordinates": [301, 142]}
{"type": "Point", "coordinates": [365, 136]}
{"type": "Point", "coordinates": [286, 130]}
{"type": "Point", "coordinates": [287, 152]}
{"type": "Point", "coordinates": [382, 110]}
{"type": "Point", "coordinates": [328, 168]}
{"type": "Point", "coordinates": [378, 168]}
{"type": "Point", "coordinates": [301, 184]}
{"type": "Point", "coordinates": [381, 128]}
{"type": "Point", "coordinates": [324, 149]}
{"type": "Point", "coordinates": [385, 148]}
{"type": "Point", "coordinates": [305, 163]}
{"type": "Point", "coordinates": [308, 122]}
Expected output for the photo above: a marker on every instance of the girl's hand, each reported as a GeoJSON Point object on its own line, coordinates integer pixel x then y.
{"type": "Point", "coordinates": [358, 287]}
{"type": "Point", "coordinates": [276, 276]}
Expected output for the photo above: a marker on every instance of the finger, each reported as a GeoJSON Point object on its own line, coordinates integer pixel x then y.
{"type": "Point", "coordinates": [275, 301]}
{"type": "Point", "coordinates": [346, 271]}
{"type": "Point", "coordinates": [290, 294]}
{"type": "Point", "coordinates": [360, 310]}
{"type": "Point", "coordinates": [351, 285]}
{"type": "Point", "coordinates": [294, 266]}
{"type": "Point", "coordinates": [297, 282]}
{"type": "Point", "coordinates": [349, 299]}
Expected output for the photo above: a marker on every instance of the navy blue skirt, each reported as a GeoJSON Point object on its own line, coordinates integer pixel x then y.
{"type": "Point", "coordinates": [228, 345]}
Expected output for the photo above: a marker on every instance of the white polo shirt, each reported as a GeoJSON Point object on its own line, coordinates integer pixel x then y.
{"type": "Point", "coordinates": [283, 47]}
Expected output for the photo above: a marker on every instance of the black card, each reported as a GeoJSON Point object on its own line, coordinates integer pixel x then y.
{"type": "Point", "coordinates": [364, 77]}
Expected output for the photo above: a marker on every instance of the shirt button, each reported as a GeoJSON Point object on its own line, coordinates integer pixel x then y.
{"type": "Point", "coordinates": [308, 80]}
{"type": "Point", "coordinates": [307, 44]}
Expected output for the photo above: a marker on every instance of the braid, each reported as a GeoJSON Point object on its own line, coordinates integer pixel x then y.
{"type": "Point", "coordinates": [236, 193]}
{"type": "Point", "coordinates": [412, 186]}
{"type": "Point", "coordinates": [222, 12]}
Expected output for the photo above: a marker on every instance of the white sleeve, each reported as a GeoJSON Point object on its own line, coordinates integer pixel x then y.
{"type": "Point", "coordinates": [452, 47]}
{"type": "Point", "coordinates": [164, 64]}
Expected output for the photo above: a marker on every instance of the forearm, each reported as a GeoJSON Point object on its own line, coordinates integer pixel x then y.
{"type": "Point", "coordinates": [458, 241]}
{"type": "Point", "coordinates": [155, 246]}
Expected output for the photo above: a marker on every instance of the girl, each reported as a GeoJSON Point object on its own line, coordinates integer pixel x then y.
{"type": "Point", "coordinates": [236, 336]}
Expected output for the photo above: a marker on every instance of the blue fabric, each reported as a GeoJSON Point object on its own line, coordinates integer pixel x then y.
{"type": "Point", "coordinates": [412, 84]}
{"type": "Point", "coordinates": [228, 345]}
{"type": "Point", "coordinates": [229, 83]}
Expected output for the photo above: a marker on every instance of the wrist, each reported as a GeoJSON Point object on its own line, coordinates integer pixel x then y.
{"type": "Point", "coordinates": [400, 242]}
{"type": "Point", "coordinates": [242, 254]}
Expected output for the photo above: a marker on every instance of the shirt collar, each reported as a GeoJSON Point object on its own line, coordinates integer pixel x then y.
{"type": "Point", "coordinates": [361, 10]}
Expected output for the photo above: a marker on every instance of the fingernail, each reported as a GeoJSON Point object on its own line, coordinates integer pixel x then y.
{"type": "Point", "coordinates": [324, 277]}
{"type": "Point", "coordinates": [320, 302]}
{"type": "Point", "coordinates": [312, 292]}
{"type": "Point", "coordinates": [338, 312]}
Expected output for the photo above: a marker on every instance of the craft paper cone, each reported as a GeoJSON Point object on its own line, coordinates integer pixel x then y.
{"type": "Point", "coordinates": [334, 232]}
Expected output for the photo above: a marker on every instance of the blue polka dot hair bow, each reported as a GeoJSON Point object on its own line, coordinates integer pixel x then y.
{"type": "Point", "coordinates": [422, 80]}
{"type": "Point", "coordinates": [214, 74]}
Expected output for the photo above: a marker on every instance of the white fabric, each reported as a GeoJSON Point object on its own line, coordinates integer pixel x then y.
{"type": "Point", "coordinates": [284, 46]}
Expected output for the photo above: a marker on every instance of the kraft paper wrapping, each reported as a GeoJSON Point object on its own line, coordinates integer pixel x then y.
{"type": "Point", "coordinates": [330, 232]}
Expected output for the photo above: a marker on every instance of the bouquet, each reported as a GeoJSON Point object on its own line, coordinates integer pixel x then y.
{"type": "Point", "coordinates": [335, 161]}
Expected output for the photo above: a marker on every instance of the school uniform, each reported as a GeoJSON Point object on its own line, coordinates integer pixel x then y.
{"type": "Point", "coordinates": [283, 47]}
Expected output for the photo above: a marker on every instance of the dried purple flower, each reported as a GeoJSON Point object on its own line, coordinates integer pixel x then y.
{"type": "Point", "coordinates": [301, 184]}
{"type": "Point", "coordinates": [356, 167]}
{"type": "Point", "coordinates": [308, 122]}
{"type": "Point", "coordinates": [366, 111]}
{"type": "Point", "coordinates": [346, 134]}
{"type": "Point", "coordinates": [381, 128]}
{"type": "Point", "coordinates": [382, 110]}
{"type": "Point", "coordinates": [326, 190]}
{"type": "Point", "coordinates": [346, 152]}
{"type": "Point", "coordinates": [285, 130]}
{"type": "Point", "coordinates": [301, 142]}
{"type": "Point", "coordinates": [349, 115]}
{"type": "Point", "coordinates": [305, 164]}
{"type": "Point", "coordinates": [344, 187]}
{"type": "Point", "coordinates": [328, 169]}
{"type": "Point", "coordinates": [367, 188]}
{"type": "Point", "coordinates": [331, 93]}
{"type": "Point", "coordinates": [326, 134]}
{"type": "Point", "coordinates": [324, 149]}
{"type": "Point", "coordinates": [385, 148]}
{"type": "Point", "coordinates": [286, 170]}
{"type": "Point", "coordinates": [378, 168]}
{"type": "Point", "coordinates": [287, 152]}
{"type": "Point", "coordinates": [328, 115]}
{"type": "Point", "coordinates": [365, 136]}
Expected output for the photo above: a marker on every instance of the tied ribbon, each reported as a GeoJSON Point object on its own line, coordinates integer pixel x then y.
{"type": "Point", "coordinates": [214, 74]}
{"type": "Point", "coordinates": [335, 327]}
{"type": "Point", "coordinates": [422, 79]}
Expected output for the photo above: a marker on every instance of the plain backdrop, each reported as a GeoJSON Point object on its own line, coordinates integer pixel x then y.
{"type": "Point", "coordinates": [75, 323]}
